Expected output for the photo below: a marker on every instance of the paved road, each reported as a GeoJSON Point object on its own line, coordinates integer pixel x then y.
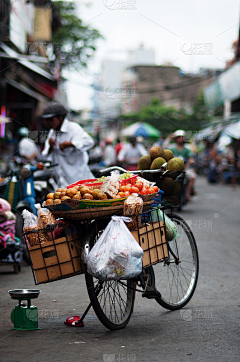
{"type": "Point", "coordinates": [207, 329]}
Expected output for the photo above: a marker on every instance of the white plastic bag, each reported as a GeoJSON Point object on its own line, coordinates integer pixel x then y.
{"type": "Point", "coordinates": [116, 255]}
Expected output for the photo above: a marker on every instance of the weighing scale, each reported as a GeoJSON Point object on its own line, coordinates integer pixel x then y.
{"type": "Point", "coordinates": [24, 317]}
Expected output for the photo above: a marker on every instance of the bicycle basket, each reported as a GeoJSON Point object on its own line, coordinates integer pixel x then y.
{"type": "Point", "coordinates": [175, 200]}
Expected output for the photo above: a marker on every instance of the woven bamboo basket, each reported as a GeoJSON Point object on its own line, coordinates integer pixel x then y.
{"type": "Point", "coordinates": [94, 213]}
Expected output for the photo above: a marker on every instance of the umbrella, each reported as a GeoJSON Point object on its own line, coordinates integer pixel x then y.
{"type": "Point", "coordinates": [141, 129]}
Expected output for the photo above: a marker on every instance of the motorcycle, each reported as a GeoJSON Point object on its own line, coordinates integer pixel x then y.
{"type": "Point", "coordinates": [25, 187]}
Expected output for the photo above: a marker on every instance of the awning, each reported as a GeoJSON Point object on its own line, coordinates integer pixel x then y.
{"type": "Point", "coordinates": [26, 90]}
{"type": "Point", "coordinates": [26, 63]}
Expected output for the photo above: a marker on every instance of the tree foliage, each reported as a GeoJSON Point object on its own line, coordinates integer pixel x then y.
{"type": "Point", "coordinates": [168, 119]}
{"type": "Point", "coordinates": [73, 42]}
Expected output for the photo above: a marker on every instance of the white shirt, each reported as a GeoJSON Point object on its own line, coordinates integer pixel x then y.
{"type": "Point", "coordinates": [27, 148]}
{"type": "Point", "coordinates": [132, 154]}
{"type": "Point", "coordinates": [72, 161]}
{"type": "Point", "coordinates": [109, 155]}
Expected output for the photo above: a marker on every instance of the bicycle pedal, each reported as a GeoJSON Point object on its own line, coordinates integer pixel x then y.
{"type": "Point", "coordinates": [151, 294]}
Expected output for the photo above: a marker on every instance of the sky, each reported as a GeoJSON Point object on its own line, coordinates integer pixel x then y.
{"type": "Point", "coordinates": [189, 34]}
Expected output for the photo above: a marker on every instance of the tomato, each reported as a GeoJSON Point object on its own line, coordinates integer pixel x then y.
{"type": "Point", "coordinates": [144, 191]}
{"type": "Point", "coordinates": [121, 194]}
{"type": "Point", "coordinates": [134, 190]}
{"type": "Point", "coordinates": [156, 188]}
{"type": "Point", "coordinates": [127, 193]}
{"type": "Point", "coordinates": [117, 197]}
{"type": "Point", "coordinates": [151, 190]}
{"type": "Point", "coordinates": [122, 188]}
{"type": "Point", "coordinates": [139, 185]}
{"type": "Point", "coordinates": [146, 186]}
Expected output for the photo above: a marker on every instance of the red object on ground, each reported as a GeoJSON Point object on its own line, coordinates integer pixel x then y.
{"type": "Point", "coordinates": [74, 321]}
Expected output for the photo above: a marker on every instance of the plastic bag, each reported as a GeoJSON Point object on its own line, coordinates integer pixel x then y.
{"type": "Point", "coordinates": [171, 229]}
{"type": "Point", "coordinates": [30, 220]}
{"type": "Point", "coordinates": [111, 184]}
{"type": "Point", "coordinates": [133, 205]}
{"type": "Point", "coordinates": [45, 217]}
{"type": "Point", "coordinates": [30, 228]}
{"type": "Point", "coordinates": [116, 255]}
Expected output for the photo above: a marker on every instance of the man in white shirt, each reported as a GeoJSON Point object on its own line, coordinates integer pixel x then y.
{"type": "Point", "coordinates": [130, 154]}
{"type": "Point", "coordinates": [109, 154]}
{"type": "Point", "coordinates": [66, 145]}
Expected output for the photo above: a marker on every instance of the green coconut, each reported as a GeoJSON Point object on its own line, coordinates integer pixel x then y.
{"type": "Point", "coordinates": [168, 154]}
{"type": "Point", "coordinates": [156, 152]}
{"type": "Point", "coordinates": [157, 163]}
{"type": "Point", "coordinates": [175, 164]}
{"type": "Point", "coordinates": [144, 163]}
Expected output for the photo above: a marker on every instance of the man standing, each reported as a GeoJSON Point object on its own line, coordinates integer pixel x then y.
{"type": "Point", "coordinates": [66, 145]}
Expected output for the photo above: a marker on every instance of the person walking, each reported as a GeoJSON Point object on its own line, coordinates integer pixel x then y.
{"type": "Point", "coordinates": [66, 145]}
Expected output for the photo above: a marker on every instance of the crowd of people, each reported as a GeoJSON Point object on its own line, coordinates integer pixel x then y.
{"type": "Point", "coordinates": [73, 149]}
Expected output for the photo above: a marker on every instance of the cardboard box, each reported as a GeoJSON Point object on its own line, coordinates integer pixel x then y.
{"type": "Point", "coordinates": [153, 242]}
{"type": "Point", "coordinates": [57, 259]}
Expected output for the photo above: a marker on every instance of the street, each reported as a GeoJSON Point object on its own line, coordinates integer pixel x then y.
{"type": "Point", "coordinates": [207, 329]}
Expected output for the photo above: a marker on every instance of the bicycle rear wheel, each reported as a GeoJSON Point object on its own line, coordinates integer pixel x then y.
{"type": "Point", "coordinates": [112, 301]}
{"type": "Point", "coordinates": [176, 279]}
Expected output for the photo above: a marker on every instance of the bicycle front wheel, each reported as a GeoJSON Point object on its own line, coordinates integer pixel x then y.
{"type": "Point", "coordinates": [176, 279]}
{"type": "Point", "coordinates": [112, 301]}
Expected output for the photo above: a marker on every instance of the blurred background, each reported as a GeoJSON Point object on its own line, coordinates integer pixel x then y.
{"type": "Point", "coordinates": [114, 63]}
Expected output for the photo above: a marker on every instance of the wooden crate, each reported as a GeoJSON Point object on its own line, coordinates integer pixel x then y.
{"type": "Point", "coordinates": [57, 259]}
{"type": "Point", "coordinates": [151, 238]}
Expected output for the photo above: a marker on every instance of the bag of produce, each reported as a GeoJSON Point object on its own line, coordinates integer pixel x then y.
{"type": "Point", "coordinates": [31, 228]}
{"type": "Point", "coordinates": [133, 205]}
{"type": "Point", "coordinates": [45, 217]}
{"type": "Point", "coordinates": [171, 229]}
{"type": "Point", "coordinates": [116, 255]}
{"type": "Point", "coordinates": [110, 185]}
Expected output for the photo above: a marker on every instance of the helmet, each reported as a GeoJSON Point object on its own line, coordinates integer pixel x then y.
{"type": "Point", "coordinates": [54, 109]}
{"type": "Point", "coordinates": [179, 133]}
{"type": "Point", "coordinates": [23, 131]}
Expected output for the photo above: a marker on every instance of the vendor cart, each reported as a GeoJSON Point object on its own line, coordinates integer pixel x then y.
{"type": "Point", "coordinates": [169, 265]}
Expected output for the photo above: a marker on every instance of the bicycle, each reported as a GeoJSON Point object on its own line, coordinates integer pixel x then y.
{"type": "Point", "coordinates": [175, 282]}
{"type": "Point", "coordinates": [171, 282]}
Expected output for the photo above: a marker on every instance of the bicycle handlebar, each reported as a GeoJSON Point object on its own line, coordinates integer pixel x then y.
{"type": "Point", "coordinates": [161, 170]}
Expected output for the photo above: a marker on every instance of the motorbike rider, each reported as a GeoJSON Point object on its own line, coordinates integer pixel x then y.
{"type": "Point", "coordinates": [66, 145]}
{"type": "Point", "coordinates": [130, 154]}
{"type": "Point", "coordinates": [180, 150]}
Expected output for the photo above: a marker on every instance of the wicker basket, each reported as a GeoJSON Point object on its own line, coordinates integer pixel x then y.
{"type": "Point", "coordinates": [94, 213]}
{"type": "Point", "coordinates": [147, 197]}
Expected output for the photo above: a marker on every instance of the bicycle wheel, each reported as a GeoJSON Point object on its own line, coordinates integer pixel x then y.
{"type": "Point", "coordinates": [176, 279]}
{"type": "Point", "coordinates": [112, 301]}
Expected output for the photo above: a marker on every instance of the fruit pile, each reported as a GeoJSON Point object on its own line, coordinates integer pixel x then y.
{"type": "Point", "coordinates": [75, 193]}
{"type": "Point", "coordinates": [137, 188]}
{"type": "Point", "coordinates": [158, 157]}
{"type": "Point", "coordinates": [155, 160]}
